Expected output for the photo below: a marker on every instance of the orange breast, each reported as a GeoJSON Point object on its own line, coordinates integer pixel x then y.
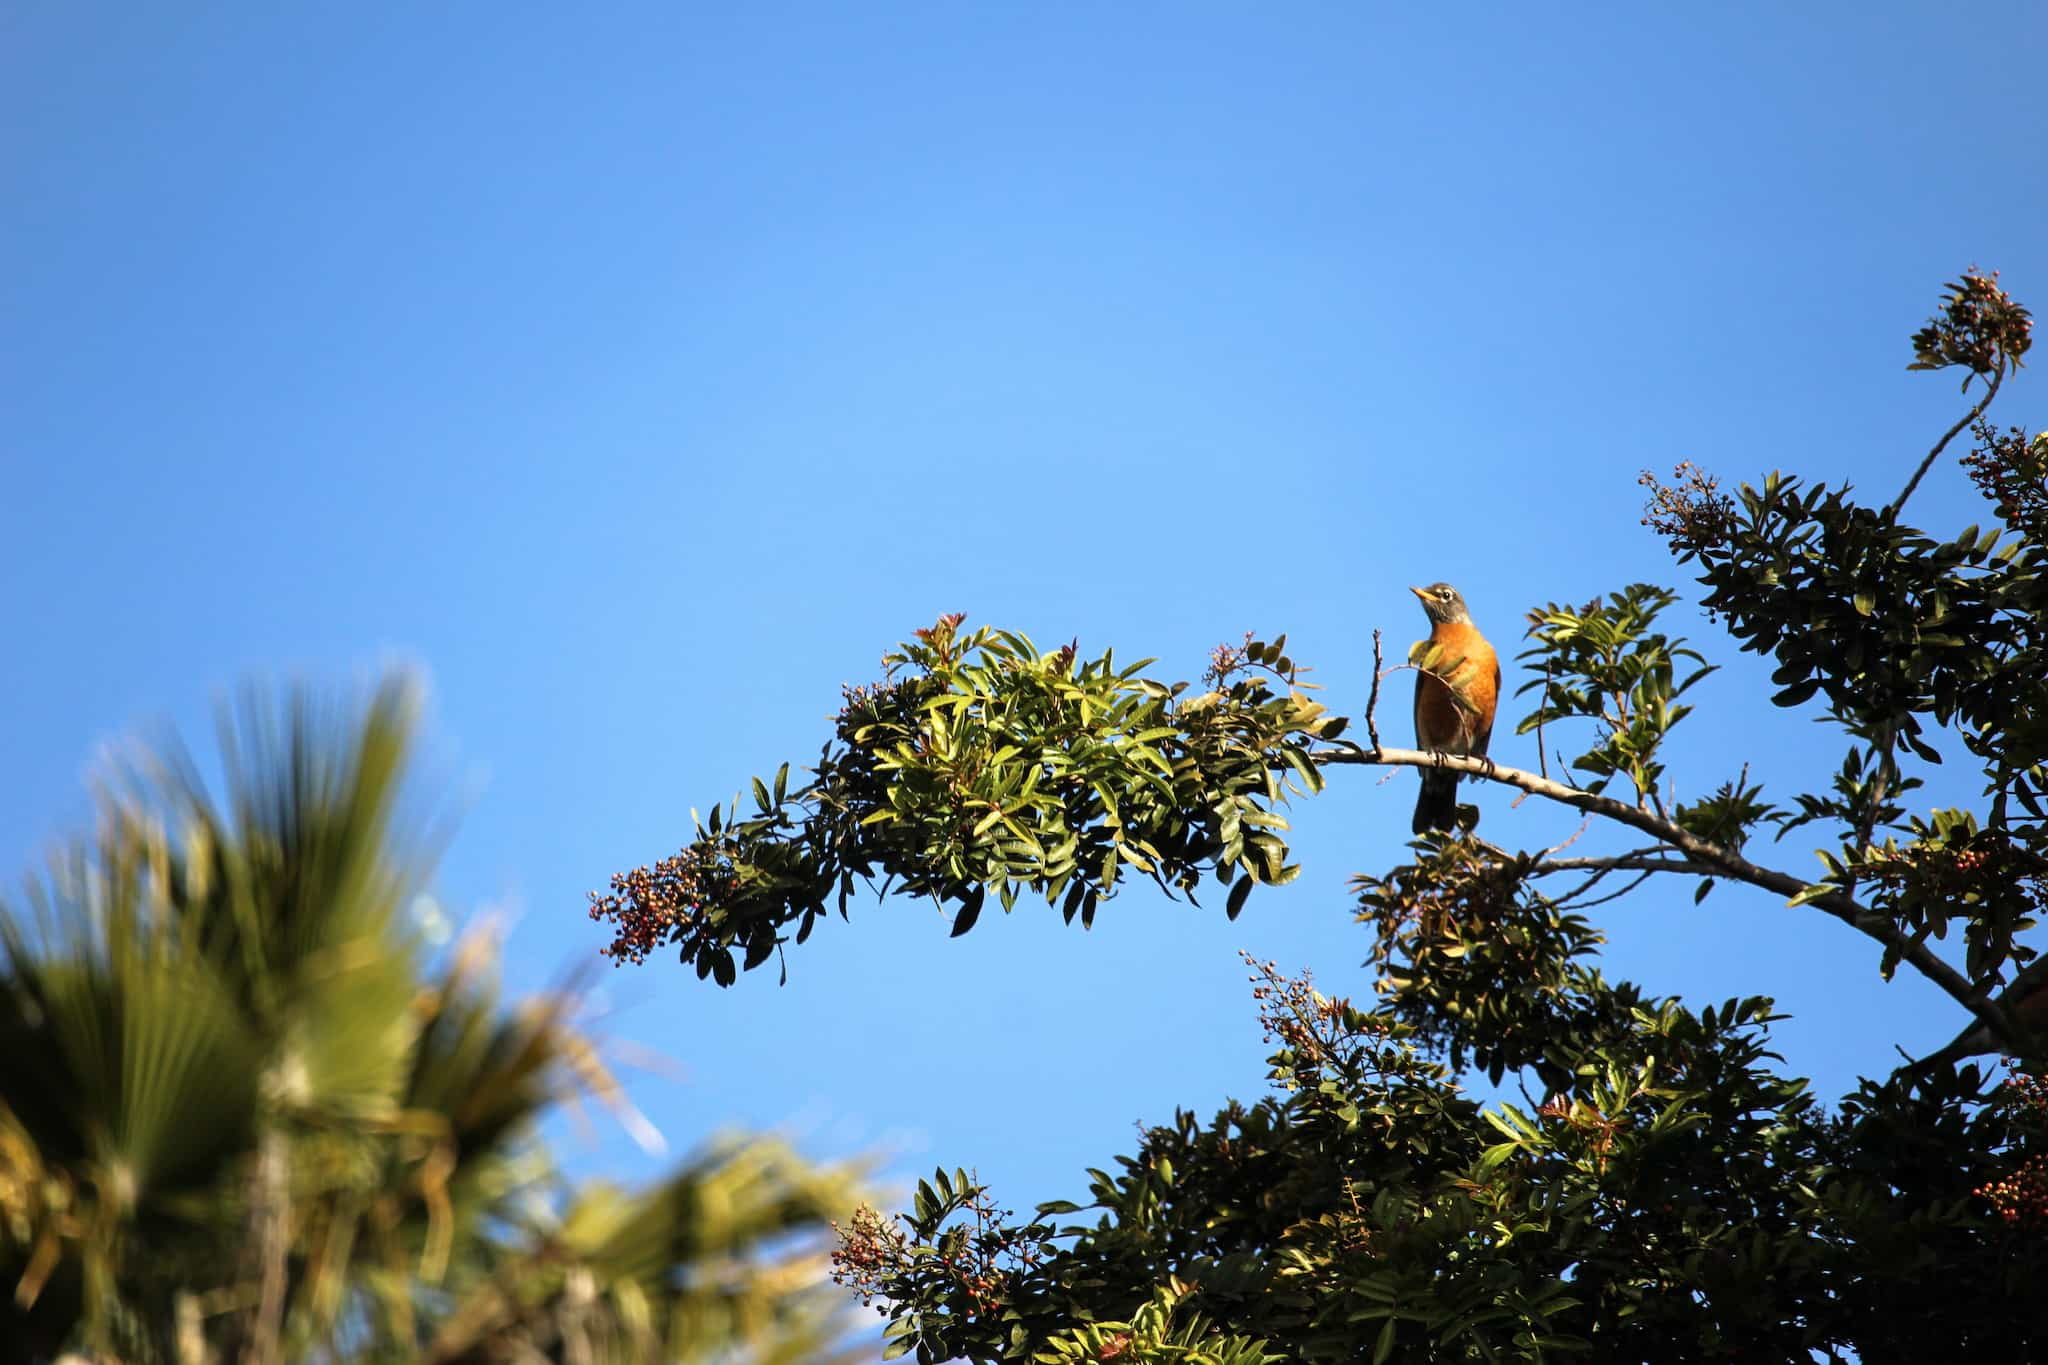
{"type": "Point", "coordinates": [1468, 664]}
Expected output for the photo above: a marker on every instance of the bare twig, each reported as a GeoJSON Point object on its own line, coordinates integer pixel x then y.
{"type": "Point", "coordinates": [1990, 392]}
{"type": "Point", "coordinates": [1640, 878]}
{"type": "Point", "coordinates": [1583, 887]}
{"type": "Point", "coordinates": [1564, 844]}
{"type": "Point", "coordinates": [1713, 859]}
{"type": "Point", "coordinates": [1372, 703]}
{"type": "Point", "coordinates": [1647, 860]}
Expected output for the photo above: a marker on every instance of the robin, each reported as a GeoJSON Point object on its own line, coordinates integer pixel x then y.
{"type": "Point", "coordinates": [1455, 696]}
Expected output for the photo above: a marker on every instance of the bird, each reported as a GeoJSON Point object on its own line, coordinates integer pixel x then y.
{"type": "Point", "coordinates": [1456, 692]}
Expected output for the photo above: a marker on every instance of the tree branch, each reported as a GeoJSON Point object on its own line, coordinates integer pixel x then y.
{"type": "Point", "coordinates": [1990, 392]}
{"type": "Point", "coordinates": [1979, 1038]}
{"type": "Point", "coordinates": [1721, 862]}
{"type": "Point", "coordinates": [1625, 862]}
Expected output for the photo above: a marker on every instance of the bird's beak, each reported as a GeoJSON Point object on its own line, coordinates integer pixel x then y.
{"type": "Point", "coordinates": [1418, 592]}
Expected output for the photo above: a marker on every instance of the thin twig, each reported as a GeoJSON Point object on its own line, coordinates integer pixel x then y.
{"type": "Point", "coordinates": [1564, 844]}
{"type": "Point", "coordinates": [1582, 888]}
{"type": "Point", "coordinates": [1990, 392]}
{"type": "Point", "coordinates": [1372, 703]}
{"type": "Point", "coordinates": [1647, 860]}
{"type": "Point", "coordinates": [1613, 895]}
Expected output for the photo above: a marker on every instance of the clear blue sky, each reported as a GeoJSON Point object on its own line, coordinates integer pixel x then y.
{"type": "Point", "coordinates": [644, 374]}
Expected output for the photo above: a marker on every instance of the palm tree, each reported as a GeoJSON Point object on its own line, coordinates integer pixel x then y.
{"type": "Point", "coordinates": [244, 1119]}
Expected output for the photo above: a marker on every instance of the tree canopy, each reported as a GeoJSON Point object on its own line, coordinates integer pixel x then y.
{"type": "Point", "coordinates": [1665, 1191]}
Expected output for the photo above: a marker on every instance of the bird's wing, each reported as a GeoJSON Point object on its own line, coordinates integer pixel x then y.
{"type": "Point", "coordinates": [1415, 651]}
{"type": "Point", "coordinates": [1484, 735]}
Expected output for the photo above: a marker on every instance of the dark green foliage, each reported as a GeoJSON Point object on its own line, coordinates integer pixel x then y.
{"type": "Point", "coordinates": [1482, 965]}
{"type": "Point", "coordinates": [1662, 1190]}
{"type": "Point", "coordinates": [1906, 638]}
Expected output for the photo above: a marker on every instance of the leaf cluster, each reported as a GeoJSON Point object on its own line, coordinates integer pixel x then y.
{"type": "Point", "coordinates": [1605, 662]}
{"type": "Point", "coordinates": [983, 766]}
{"type": "Point", "coordinates": [1980, 328]}
{"type": "Point", "coordinates": [1904, 639]}
{"type": "Point", "coordinates": [1479, 962]}
{"type": "Point", "coordinates": [1671, 1188]}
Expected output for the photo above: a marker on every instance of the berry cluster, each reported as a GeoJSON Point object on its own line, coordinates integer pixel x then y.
{"type": "Point", "coordinates": [1691, 512]}
{"type": "Point", "coordinates": [1321, 1038]}
{"type": "Point", "coordinates": [1981, 866]}
{"type": "Point", "coordinates": [2021, 1198]}
{"type": "Point", "coordinates": [1980, 327]}
{"type": "Point", "coordinates": [969, 1267]}
{"type": "Point", "coordinates": [871, 1249]}
{"type": "Point", "coordinates": [650, 907]}
{"type": "Point", "coordinates": [2011, 472]}
{"type": "Point", "coordinates": [1225, 660]}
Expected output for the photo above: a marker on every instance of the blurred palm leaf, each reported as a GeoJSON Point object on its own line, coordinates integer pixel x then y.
{"type": "Point", "coordinates": [241, 1120]}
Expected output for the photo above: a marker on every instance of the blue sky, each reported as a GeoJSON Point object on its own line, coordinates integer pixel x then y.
{"type": "Point", "coordinates": [642, 376]}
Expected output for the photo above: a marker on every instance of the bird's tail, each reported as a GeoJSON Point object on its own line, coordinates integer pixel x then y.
{"type": "Point", "coordinates": [1437, 805]}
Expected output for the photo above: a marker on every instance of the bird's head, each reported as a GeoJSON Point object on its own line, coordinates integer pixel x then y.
{"type": "Point", "coordinates": [1443, 604]}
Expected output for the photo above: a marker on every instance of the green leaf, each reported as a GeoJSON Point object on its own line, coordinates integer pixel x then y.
{"type": "Point", "coordinates": [1240, 892]}
{"type": "Point", "coordinates": [969, 912]}
{"type": "Point", "coordinates": [1796, 693]}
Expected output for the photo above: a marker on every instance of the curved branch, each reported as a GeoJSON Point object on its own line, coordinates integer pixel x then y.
{"type": "Point", "coordinates": [1712, 857]}
{"type": "Point", "coordinates": [1990, 392]}
{"type": "Point", "coordinates": [1980, 1038]}
{"type": "Point", "coordinates": [1640, 878]}
{"type": "Point", "coordinates": [1640, 860]}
